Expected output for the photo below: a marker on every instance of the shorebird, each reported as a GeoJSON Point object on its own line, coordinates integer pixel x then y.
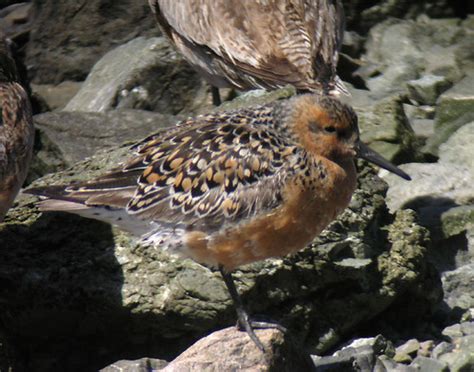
{"type": "Point", "coordinates": [257, 44]}
{"type": "Point", "coordinates": [16, 131]}
{"type": "Point", "coordinates": [231, 188]}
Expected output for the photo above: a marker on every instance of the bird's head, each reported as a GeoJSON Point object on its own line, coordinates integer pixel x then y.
{"type": "Point", "coordinates": [327, 127]}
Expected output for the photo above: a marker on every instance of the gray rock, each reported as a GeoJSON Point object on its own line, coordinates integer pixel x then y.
{"type": "Point", "coordinates": [141, 74]}
{"type": "Point", "coordinates": [96, 279]}
{"type": "Point", "coordinates": [333, 363]}
{"type": "Point", "coordinates": [435, 192]}
{"type": "Point", "coordinates": [409, 348]}
{"type": "Point", "coordinates": [78, 135]}
{"type": "Point", "coordinates": [453, 331]}
{"type": "Point", "coordinates": [359, 355]}
{"type": "Point", "coordinates": [462, 358]}
{"type": "Point", "coordinates": [467, 328]}
{"type": "Point", "coordinates": [442, 348]}
{"type": "Point", "coordinates": [427, 89]}
{"type": "Point", "coordinates": [457, 286]}
{"type": "Point", "coordinates": [391, 47]}
{"type": "Point", "coordinates": [457, 220]}
{"type": "Point", "coordinates": [16, 20]}
{"type": "Point", "coordinates": [419, 112]}
{"type": "Point", "coordinates": [436, 185]}
{"type": "Point", "coordinates": [426, 347]}
{"type": "Point", "coordinates": [423, 128]}
{"type": "Point", "coordinates": [455, 102]}
{"type": "Point", "coordinates": [400, 51]}
{"type": "Point", "coordinates": [458, 149]}
{"type": "Point", "coordinates": [390, 365]}
{"type": "Point", "coordinates": [363, 14]}
{"type": "Point", "coordinates": [67, 39]}
{"type": "Point", "coordinates": [424, 364]}
{"type": "Point", "coordinates": [140, 365]}
{"type": "Point", "coordinates": [359, 98]}
{"type": "Point", "coordinates": [454, 110]}
{"type": "Point", "coordinates": [386, 129]}
{"type": "Point", "coordinates": [56, 96]}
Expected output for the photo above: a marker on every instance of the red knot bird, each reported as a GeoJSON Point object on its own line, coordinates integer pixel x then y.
{"type": "Point", "coordinates": [16, 131]}
{"type": "Point", "coordinates": [230, 188]}
{"type": "Point", "coordinates": [257, 44]}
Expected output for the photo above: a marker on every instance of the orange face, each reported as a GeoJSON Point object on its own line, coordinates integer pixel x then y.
{"type": "Point", "coordinates": [327, 127]}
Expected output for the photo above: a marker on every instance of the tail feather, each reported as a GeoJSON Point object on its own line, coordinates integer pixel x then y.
{"type": "Point", "coordinates": [119, 198]}
{"type": "Point", "coordinates": [105, 213]}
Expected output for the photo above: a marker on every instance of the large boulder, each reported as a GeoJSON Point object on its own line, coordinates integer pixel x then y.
{"type": "Point", "coordinates": [79, 294]}
{"type": "Point", "coordinates": [68, 37]}
{"type": "Point", "coordinates": [63, 138]}
{"type": "Point", "coordinates": [142, 74]}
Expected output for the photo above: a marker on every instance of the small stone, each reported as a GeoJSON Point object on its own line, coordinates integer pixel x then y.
{"type": "Point", "coordinates": [390, 365]}
{"type": "Point", "coordinates": [458, 148]}
{"type": "Point", "coordinates": [426, 348]}
{"type": "Point", "coordinates": [402, 358]}
{"type": "Point", "coordinates": [385, 127]}
{"type": "Point", "coordinates": [458, 219]}
{"type": "Point", "coordinates": [332, 364]}
{"type": "Point", "coordinates": [454, 110]}
{"type": "Point", "coordinates": [356, 263]}
{"type": "Point", "coordinates": [455, 102]}
{"type": "Point", "coordinates": [429, 365]}
{"type": "Point", "coordinates": [140, 365]}
{"type": "Point", "coordinates": [424, 128]}
{"type": "Point", "coordinates": [457, 286]}
{"type": "Point", "coordinates": [466, 343]}
{"type": "Point", "coordinates": [419, 112]}
{"type": "Point", "coordinates": [379, 344]}
{"type": "Point", "coordinates": [442, 348]}
{"type": "Point", "coordinates": [410, 347]}
{"type": "Point", "coordinates": [467, 328]}
{"type": "Point", "coordinates": [57, 96]}
{"type": "Point", "coordinates": [453, 331]}
{"type": "Point", "coordinates": [427, 89]}
{"type": "Point", "coordinates": [436, 185]}
{"type": "Point", "coordinates": [462, 361]}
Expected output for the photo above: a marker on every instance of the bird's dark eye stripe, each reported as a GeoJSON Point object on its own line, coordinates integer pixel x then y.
{"type": "Point", "coordinates": [330, 129]}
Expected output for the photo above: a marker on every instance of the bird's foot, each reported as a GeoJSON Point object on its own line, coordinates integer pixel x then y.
{"type": "Point", "coordinates": [248, 325]}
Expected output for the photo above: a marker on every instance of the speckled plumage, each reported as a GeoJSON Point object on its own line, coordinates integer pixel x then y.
{"type": "Point", "coordinates": [16, 131]}
{"type": "Point", "coordinates": [233, 187]}
{"type": "Point", "coordinates": [258, 44]}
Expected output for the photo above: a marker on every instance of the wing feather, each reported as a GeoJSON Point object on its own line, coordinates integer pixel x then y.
{"type": "Point", "coordinates": [274, 42]}
{"type": "Point", "coordinates": [217, 169]}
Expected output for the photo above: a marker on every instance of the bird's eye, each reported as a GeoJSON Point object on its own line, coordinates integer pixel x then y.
{"type": "Point", "coordinates": [330, 129]}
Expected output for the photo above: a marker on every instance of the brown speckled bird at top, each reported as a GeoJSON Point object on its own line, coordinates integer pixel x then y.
{"type": "Point", "coordinates": [16, 131]}
{"type": "Point", "coordinates": [230, 188]}
{"type": "Point", "coordinates": [258, 44]}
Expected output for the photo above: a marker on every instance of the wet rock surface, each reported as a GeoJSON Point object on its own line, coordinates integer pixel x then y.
{"type": "Point", "coordinates": [389, 286]}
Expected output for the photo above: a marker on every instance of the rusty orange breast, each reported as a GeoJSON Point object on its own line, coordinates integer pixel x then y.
{"type": "Point", "coordinates": [308, 206]}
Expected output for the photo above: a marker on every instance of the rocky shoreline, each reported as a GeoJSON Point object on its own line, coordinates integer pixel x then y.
{"type": "Point", "coordinates": [389, 286]}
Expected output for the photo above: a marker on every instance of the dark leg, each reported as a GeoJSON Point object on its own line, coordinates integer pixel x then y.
{"type": "Point", "coordinates": [216, 98]}
{"type": "Point", "coordinates": [242, 316]}
{"type": "Point", "coordinates": [243, 321]}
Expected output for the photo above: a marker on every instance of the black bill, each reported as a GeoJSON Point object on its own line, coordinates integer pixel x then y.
{"type": "Point", "coordinates": [366, 153]}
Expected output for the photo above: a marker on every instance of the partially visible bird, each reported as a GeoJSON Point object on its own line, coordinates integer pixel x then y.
{"type": "Point", "coordinates": [258, 44]}
{"type": "Point", "coordinates": [16, 131]}
{"type": "Point", "coordinates": [231, 188]}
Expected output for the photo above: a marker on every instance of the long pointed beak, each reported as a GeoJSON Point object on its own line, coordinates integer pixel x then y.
{"type": "Point", "coordinates": [365, 152]}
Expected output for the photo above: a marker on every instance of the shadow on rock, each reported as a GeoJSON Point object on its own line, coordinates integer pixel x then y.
{"type": "Point", "coordinates": [56, 303]}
